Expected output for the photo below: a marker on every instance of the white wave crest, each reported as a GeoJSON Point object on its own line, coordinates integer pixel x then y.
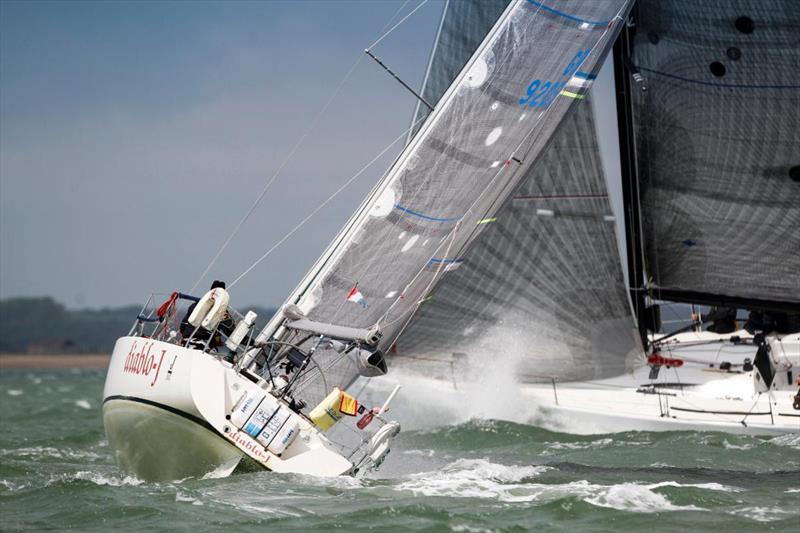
{"type": "Point", "coordinates": [11, 486]}
{"type": "Point", "coordinates": [634, 497]}
{"type": "Point", "coordinates": [103, 480]}
{"type": "Point", "coordinates": [49, 451]}
{"type": "Point", "coordinates": [595, 444]}
{"type": "Point", "coordinates": [471, 478]}
{"type": "Point", "coordinates": [791, 440]}
{"type": "Point", "coordinates": [474, 478]}
{"type": "Point", "coordinates": [763, 514]}
{"type": "Point", "coordinates": [707, 486]}
{"type": "Point", "coordinates": [422, 453]}
{"type": "Point", "coordinates": [730, 446]}
{"type": "Point", "coordinates": [470, 529]}
{"type": "Point", "coordinates": [185, 498]}
{"type": "Point", "coordinates": [15, 392]}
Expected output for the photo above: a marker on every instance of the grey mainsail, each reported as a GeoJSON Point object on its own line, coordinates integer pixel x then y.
{"type": "Point", "coordinates": [717, 111]}
{"type": "Point", "coordinates": [486, 132]}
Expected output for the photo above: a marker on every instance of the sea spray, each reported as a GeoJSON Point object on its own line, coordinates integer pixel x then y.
{"type": "Point", "coordinates": [484, 384]}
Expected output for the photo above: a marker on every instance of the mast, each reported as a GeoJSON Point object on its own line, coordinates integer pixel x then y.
{"type": "Point", "coordinates": [630, 178]}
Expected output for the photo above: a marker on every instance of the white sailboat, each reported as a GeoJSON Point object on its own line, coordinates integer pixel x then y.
{"type": "Point", "coordinates": [493, 227]}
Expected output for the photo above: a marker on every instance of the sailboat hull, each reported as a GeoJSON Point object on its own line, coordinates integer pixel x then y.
{"type": "Point", "coordinates": [595, 410]}
{"type": "Point", "coordinates": [168, 410]}
{"type": "Point", "coordinates": [708, 391]}
{"type": "Point", "coordinates": [156, 443]}
{"type": "Point", "coordinates": [150, 417]}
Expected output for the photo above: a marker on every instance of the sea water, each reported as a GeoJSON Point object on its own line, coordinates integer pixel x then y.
{"type": "Point", "coordinates": [57, 473]}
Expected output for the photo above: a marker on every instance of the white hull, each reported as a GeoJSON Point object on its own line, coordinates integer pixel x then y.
{"type": "Point", "coordinates": [155, 444]}
{"type": "Point", "coordinates": [167, 408]}
{"type": "Point", "coordinates": [599, 409]}
{"type": "Point", "coordinates": [151, 420]}
{"type": "Point", "coordinates": [697, 396]}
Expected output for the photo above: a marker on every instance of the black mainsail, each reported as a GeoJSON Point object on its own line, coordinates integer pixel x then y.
{"type": "Point", "coordinates": [717, 138]}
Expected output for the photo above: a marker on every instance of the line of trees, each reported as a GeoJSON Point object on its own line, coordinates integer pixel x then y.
{"type": "Point", "coordinates": [44, 326]}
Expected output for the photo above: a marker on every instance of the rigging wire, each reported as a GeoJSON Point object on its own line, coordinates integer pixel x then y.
{"type": "Point", "coordinates": [320, 206]}
{"type": "Point", "coordinates": [312, 125]}
{"type": "Point", "coordinates": [382, 37]}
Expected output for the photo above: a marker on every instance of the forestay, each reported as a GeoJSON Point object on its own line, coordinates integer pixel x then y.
{"type": "Point", "coordinates": [486, 132]}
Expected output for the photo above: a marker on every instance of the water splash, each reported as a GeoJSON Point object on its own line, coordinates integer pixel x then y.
{"type": "Point", "coordinates": [483, 479]}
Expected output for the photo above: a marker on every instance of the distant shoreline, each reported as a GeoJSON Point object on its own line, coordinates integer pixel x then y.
{"type": "Point", "coordinates": [42, 362]}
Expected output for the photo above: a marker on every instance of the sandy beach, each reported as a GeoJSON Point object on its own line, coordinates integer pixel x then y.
{"type": "Point", "coordinates": [47, 362]}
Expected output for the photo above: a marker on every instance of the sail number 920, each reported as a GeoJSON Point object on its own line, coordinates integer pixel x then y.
{"type": "Point", "coordinates": [542, 93]}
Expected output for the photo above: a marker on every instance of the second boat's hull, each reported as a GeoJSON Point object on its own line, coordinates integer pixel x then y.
{"type": "Point", "coordinates": [701, 394]}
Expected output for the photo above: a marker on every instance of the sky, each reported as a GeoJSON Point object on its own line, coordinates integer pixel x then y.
{"type": "Point", "coordinates": [134, 136]}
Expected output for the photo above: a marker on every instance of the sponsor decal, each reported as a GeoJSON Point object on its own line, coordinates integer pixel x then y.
{"type": "Point", "coordinates": [143, 362]}
{"type": "Point", "coordinates": [250, 446]}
